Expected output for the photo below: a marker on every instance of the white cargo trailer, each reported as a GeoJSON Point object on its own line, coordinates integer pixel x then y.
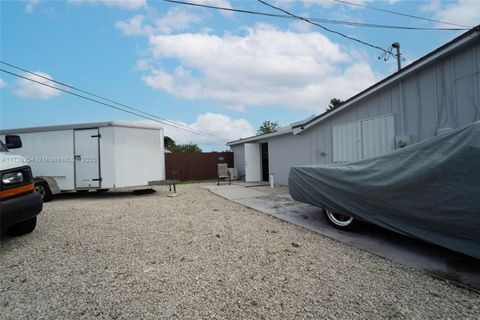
{"type": "Point", "coordinates": [99, 156]}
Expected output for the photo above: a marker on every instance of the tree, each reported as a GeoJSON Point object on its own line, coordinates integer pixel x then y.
{"type": "Point", "coordinates": [268, 127]}
{"type": "Point", "coordinates": [187, 147]}
{"type": "Point", "coordinates": [334, 103]}
{"type": "Point", "coordinates": [168, 143]}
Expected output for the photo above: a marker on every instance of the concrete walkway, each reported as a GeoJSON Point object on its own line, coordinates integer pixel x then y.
{"type": "Point", "coordinates": [417, 254]}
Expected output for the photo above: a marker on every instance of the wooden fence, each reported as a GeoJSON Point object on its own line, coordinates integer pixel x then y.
{"type": "Point", "coordinates": [185, 166]}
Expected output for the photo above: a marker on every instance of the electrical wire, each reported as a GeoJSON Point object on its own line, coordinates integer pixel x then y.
{"type": "Point", "coordinates": [170, 122]}
{"type": "Point", "coordinates": [325, 28]}
{"type": "Point", "coordinates": [348, 23]}
{"type": "Point", "coordinates": [152, 117]}
{"type": "Point", "coordinates": [400, 13]}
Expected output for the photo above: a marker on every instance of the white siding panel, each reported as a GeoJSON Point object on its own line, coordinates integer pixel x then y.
{"type": "Point", "coordinates": [239, 159]}
{"type": "Point", "coordinates": [378, 136]}
{"type": "Point", "coordinates": [347, 142]}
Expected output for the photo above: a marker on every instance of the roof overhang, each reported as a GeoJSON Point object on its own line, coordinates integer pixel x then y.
{"type": "Point", "coordinates": [121, 123]}
{"type": "Point", "coordinates": [261, 137]}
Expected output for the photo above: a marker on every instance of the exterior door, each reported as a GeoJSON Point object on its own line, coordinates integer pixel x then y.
{"type": "Point", "coordinates": [363, 139]}
{"type": "Point", "coordinates": [347, 142]}
{"type": "Point", "coordinates": [378, 136]}
{"type": "Point", "coordinates": [265, 171]}
{"type": "Point", "coordinates": [253, 170]}
{"type": "Point", "coordinates": [87, 164]}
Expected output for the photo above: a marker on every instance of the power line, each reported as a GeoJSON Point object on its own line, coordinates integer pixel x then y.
{"type": "Point", "coordinates": [173, 123]}
{"type": "Point", "coordinates": [341, 22]}
{"type": "Point", "coordinates": [152, 117]}
{"type": "Point", "coordinates": [324, 28]}
{"type": "Point", "coordinates": [169, 122]}
{"type": "Point", "coordinates": [400, 13]}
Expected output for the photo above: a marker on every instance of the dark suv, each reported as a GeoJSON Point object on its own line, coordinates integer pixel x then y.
{"type": "Point", "coordinates": [19, 203]}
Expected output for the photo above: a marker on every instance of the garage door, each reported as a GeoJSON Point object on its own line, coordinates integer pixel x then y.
{"type": "Point", "coordinates": [363, 139]}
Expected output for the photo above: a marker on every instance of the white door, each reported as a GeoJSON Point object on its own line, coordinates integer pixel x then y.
{"type": "Point", "coordinates": [253, 170]}
{"type": "Point", "coordinates": [363, 139]}
{"type": "Point", "coordinates": [347, 142]}
{"type": "Point", "coordinates": [87, 169]}
{"type": "Point", "coordinates": [378, 136]}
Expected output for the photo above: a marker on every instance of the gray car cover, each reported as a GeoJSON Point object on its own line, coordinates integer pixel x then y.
{"type": "Point", "coordinates": [429, 190]}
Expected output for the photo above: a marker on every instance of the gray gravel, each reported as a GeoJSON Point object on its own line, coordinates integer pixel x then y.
{"type": "Point", "coordinates": [120, 256]}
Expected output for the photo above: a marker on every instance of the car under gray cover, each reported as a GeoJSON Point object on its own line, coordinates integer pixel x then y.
{"type": "Point", "coordinates": [429, 190]}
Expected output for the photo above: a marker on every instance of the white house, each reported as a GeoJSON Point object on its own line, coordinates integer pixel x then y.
{"type": "Point", "coordinates": [436, 93]}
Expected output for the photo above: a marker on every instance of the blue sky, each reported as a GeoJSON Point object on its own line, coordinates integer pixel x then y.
{"type": "Point", "coordinates": [222, 73]}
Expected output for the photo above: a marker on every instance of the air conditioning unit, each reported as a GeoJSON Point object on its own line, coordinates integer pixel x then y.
{"type": "Point", "coordinates": [232, 172]}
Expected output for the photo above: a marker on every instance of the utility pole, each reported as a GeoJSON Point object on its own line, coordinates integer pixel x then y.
{"type": "Point", "coordinates": [396, 45]}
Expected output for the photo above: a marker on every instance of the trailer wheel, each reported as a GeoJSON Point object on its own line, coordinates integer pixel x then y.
{"type": "Point", "coordinates": [42, 187]}
{"type": "Point", "coordinates": [339, 220]}
{"type": "Point", "coordinates": [103, 190]}
{"type": "Point", "coordinates": [23, 227]}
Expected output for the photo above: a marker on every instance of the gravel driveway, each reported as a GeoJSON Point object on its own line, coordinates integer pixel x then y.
{"type": "Point", "coordinates": [120, 256]}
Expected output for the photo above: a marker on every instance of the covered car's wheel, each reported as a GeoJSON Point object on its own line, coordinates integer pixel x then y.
{"type": "Point", "coordinates": [23, 227]}
{"type": "Point", "coordinates": [339, 220]}
{"type": "Point", "coordinates": [43, 188]}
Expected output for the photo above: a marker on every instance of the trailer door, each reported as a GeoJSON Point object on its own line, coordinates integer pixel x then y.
{"type": "Point", "coordinates": [87, 164]}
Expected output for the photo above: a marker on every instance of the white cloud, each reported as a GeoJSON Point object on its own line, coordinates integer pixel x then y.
{"type": "Point", "coordinates": [217, 3]}
{"type": "Point", "coordinates": [3, 84]}
{"type": "Point", "coordinates": [142, 65]}
{"type": "Point", "coordinates": [133, 27]}
{"type": "Point", "coordinates": [266, 66]}
{"type": "Point", "coordinates": [301, 26]}
{"type": "Point", "coordinates": [431, 6]}
{"type": "Point", "coordinates": [173, 20]}
{"type": "Point", "coordinates": [122, 4]}
{"type": "Point", "coordinates": [26, 89]}
{"type": "Point", "coordinates": [237, 107]}
{"type": "Point", "coordinates": [330, 3]}
{"type": "Point", "coordinates": [30, 5]}
{"type": "Point", "coordinates": [216, 124]}
{"type": "Point", "coordinates": [219, 125]}
{"type": "Point", "coordinates": [463, 12]}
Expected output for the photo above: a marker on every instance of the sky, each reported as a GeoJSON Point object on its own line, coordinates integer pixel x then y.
{"type": "Point", "coordinates": [222, 73]}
